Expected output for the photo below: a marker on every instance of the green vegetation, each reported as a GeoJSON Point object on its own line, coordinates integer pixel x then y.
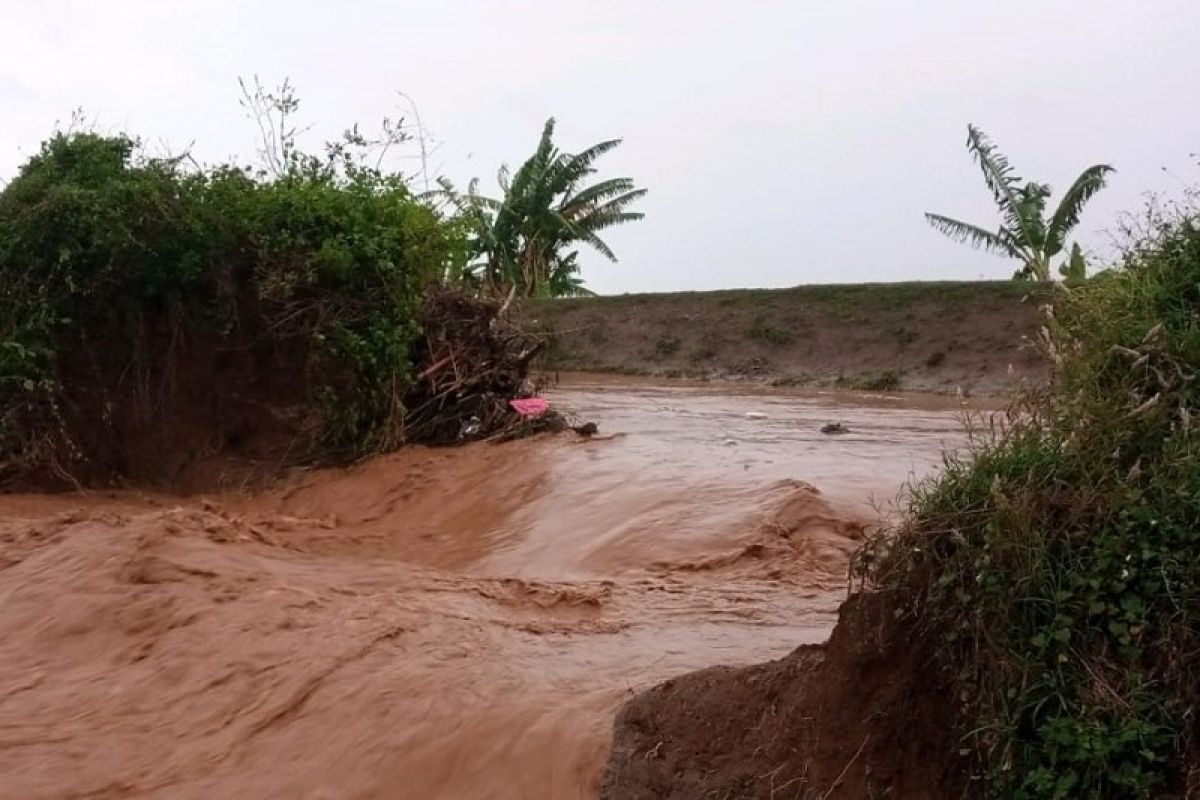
{"type": "Point", "coordinates": [527, 242]}
{"type": "Point", "coordinates": [666, 346]}
{"type": "Point", "coordinates": [1057, 561]}
{"type": "Point", "coordinates": [789, 381]}
{"type": "Point", "coordinates": [708, 347]}
{"type": "Point", "coordinates": [128, 281]}
{"type": "Point", "coordinates": [157, 309]}
{"type": "Point", "coordinates": [886, 380]}
{"type": "Point", "coordinates": [904, 336]}
{"type": "Point", "coordinates": [1025, 233]}
{"type": "Point", "coordinates": [764, 331]}
{"type": "Point", "coordinates": [842, 298]}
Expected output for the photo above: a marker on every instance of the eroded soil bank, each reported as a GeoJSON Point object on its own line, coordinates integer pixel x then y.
{"type": "Point", "coordinates": [931, 337]}
{"type": "Point", "coordinates": [861, 716]}
{"type": "Point", "coordinates": [435, 624]}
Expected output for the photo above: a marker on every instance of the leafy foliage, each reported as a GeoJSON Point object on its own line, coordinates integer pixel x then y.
{"type": "Point", "coordinates": [1057, 559]}
{"type": "Point", "coordinates": [528, 240]}
{"type": "Point", "coordinates": [115, 267]}
{"type": "Point", "coordinates": [1025, 233]}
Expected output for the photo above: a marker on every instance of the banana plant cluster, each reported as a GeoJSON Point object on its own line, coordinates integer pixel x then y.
{"type": "Point", "coordinates": [527, 242]}
{"type": "Point", "coordinates": [1025, 233]}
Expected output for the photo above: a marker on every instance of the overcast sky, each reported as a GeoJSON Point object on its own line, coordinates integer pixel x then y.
{"type": "Point", "coordinates": [782, 142]}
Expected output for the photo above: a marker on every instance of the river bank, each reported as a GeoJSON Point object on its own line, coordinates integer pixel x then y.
{"type": "Point", "coordinates": [941, 337]}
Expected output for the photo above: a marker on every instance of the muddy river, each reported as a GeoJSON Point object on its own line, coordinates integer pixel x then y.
{"type": "Point", "coordinates": [454, 623]}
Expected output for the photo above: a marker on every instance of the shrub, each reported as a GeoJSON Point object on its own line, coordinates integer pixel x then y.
{"type": "Point", "coordinates": [666, 346]}
{"type": "Point", "coordinates": [708, 347]}
{"type": "Point", "coordinates": [1056, 561]}
{"type": "Point", "coordinates": [764, 331]}
{"type": "Point", "coordinates": [883, 381]}
{"type": "Point", "coordinates": [142, 297]}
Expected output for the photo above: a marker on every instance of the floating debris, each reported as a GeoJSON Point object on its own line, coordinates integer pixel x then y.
{"type": "Point", "coordinates": [586, 430]}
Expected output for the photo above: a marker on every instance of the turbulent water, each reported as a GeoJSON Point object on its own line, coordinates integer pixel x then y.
{"type": "Point", "coordinates": [436, 624]}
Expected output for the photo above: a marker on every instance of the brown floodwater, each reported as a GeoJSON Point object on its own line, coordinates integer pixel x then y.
{"type": "Point", "coordinates": [451, 623]}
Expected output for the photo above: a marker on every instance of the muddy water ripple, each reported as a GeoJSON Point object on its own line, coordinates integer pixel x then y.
{"type": "Point", "coordinates": [435, 624]}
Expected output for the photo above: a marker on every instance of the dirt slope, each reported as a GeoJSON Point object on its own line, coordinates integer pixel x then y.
{"type": "Point", "coordinates": [862, 716]}
{"type": "Point", "coordinates": [917, 336]}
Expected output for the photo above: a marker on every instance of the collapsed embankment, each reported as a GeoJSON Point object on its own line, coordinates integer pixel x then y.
{"type": "Point", "coordinates": [861, 716]}
{"type": "Point", "coordinates": [936, 337]}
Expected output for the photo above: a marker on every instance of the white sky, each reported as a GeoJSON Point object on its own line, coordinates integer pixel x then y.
{"type": "Point", "coordinates": [782, 142]}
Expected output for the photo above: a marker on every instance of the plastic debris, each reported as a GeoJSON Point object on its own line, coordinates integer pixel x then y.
{"type": "Point", "coordinates": [586, 430]}
{"type": "Point", "coordinates": [530, 406]}
{"type": "Point", "coordinates": [470, 427]}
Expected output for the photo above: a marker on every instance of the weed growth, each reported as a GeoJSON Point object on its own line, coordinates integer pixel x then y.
{"type": "Point", "coordinates": [708, 348]}
{"type": "Point", "coordinates": [666, 346]}
{"type": "Point", "coordinates": [883, 381]}
{"type": "Point", "coordinates": [763, 331]}
{"type": "Point", "coordinates": [1057, 560]}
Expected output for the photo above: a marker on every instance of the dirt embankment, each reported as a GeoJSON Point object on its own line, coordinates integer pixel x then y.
{"type": "Point", "coordinates": [861, 716]}
{"type": "Point", "coordinates": [937, 337]}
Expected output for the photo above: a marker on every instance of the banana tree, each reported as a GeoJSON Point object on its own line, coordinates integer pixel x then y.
{"type": "Point", "coordinates": [527, 240]}
{"type": "Point", "coordinates": [1025, 233]}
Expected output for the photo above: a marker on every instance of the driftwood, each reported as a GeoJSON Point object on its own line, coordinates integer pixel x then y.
{"type": "Point", "coordinates": [474, 362]}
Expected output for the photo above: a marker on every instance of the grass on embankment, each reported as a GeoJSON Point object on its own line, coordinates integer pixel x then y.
{"type": "Point", "coordinates": [933, 336]}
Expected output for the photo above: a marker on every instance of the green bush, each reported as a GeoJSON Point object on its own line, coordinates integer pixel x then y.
{"type": "Point", "coordinates": [121, 276]}
{"type": "Point", "coordinates": [885, 380]}
{"type": "Point", "coordinates": [764, 331]}
{"type": "Point", "coordinates": [1058, 561]}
